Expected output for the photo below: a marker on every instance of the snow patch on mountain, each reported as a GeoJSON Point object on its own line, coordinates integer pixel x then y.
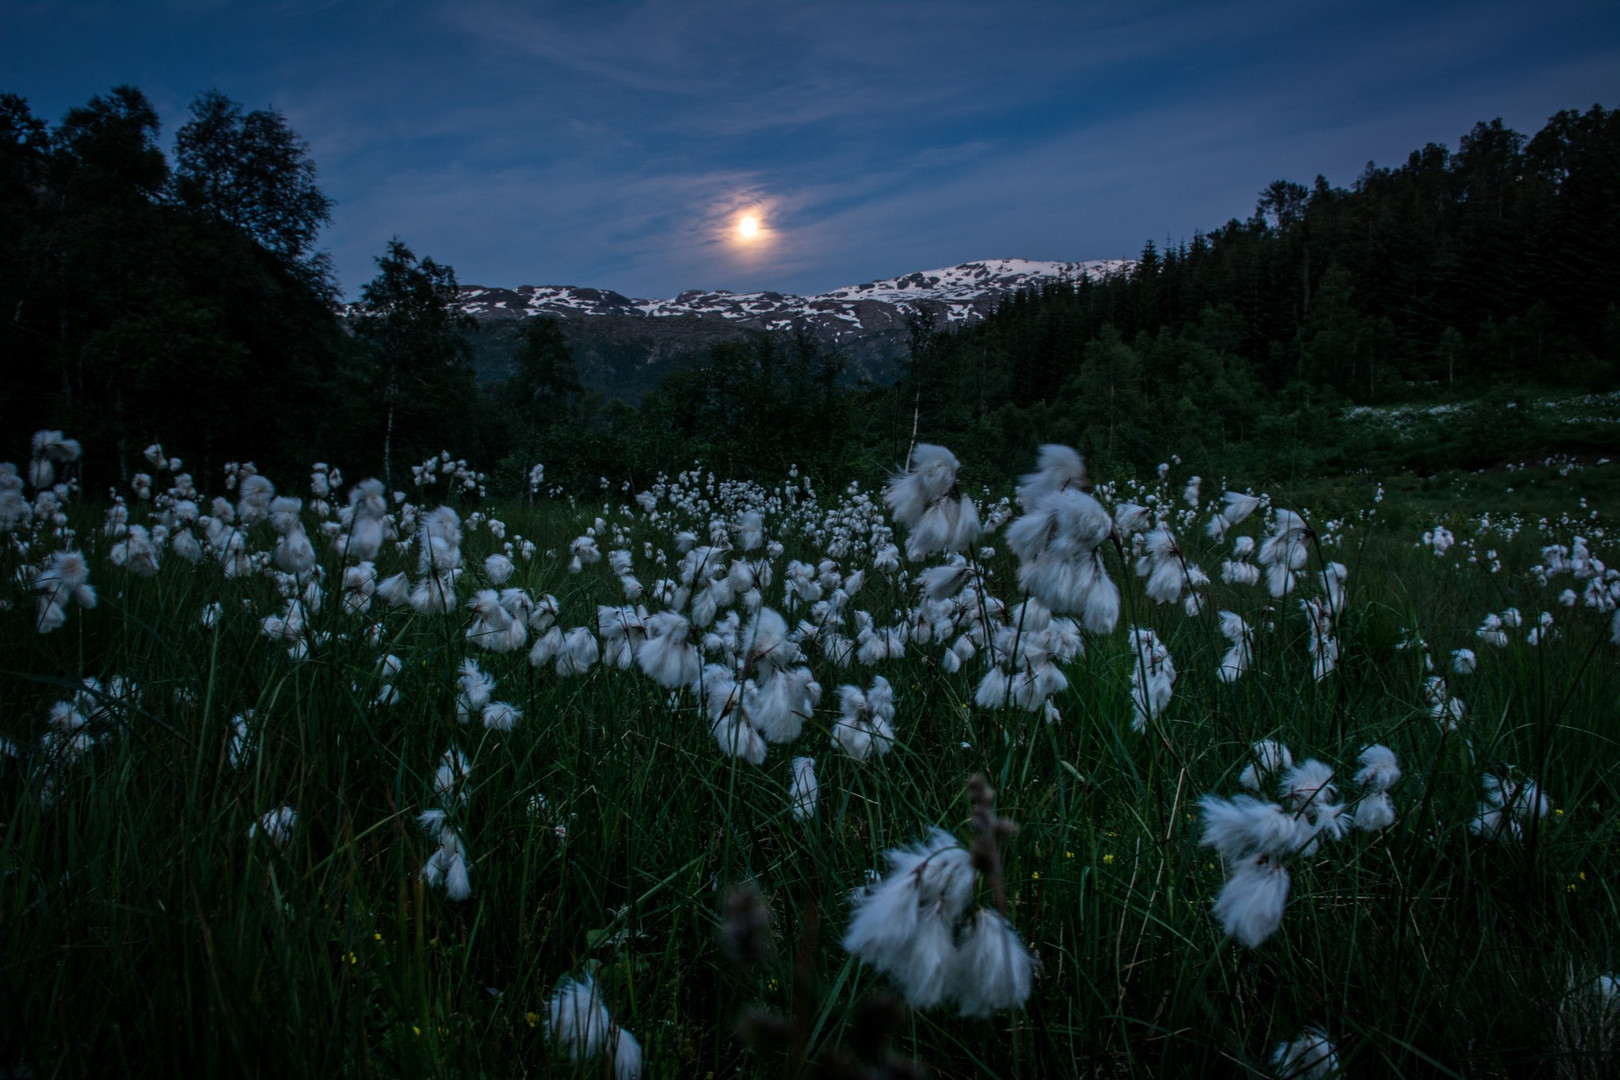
{"type": "Point", "coordinates": [955, 294]}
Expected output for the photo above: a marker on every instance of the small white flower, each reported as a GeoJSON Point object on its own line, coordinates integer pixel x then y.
{"type": "Point", "coordinates": [1310, 1056]}
{"type": "Point", "coordinates": [277, 825]}
{"type": "Point", "coordinates": [804, 792]}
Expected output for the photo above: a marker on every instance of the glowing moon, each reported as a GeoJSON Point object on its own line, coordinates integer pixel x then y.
{"type": "Point", "coordinates": [748, 227]}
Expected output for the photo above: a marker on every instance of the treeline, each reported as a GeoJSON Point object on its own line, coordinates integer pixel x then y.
{"type": "Point", "coordinates": [186, 300]}
{"type": "Point", "coordinates": [144, 298]}
{"type": "Point", "coordinates": [1490, 272]}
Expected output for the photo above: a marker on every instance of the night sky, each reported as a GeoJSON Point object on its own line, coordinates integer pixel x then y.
{"type": "Point", "coordinates": [618, 144]}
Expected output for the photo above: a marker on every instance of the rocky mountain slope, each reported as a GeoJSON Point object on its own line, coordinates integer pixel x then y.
{"type": "Point", "coordinates": [621, 342]}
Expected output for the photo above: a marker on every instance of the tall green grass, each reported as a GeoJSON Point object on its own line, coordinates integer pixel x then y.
{"type": "Point", "coordinates": [143, 932]}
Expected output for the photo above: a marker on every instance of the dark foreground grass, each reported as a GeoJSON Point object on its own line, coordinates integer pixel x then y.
{"type": "Point", "coordinates": [143, 932]}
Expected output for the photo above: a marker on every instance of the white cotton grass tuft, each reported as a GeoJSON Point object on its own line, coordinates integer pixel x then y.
{"type": "Point", "coordinates": [1026, 652]}
{"type": "Point", "coordinates": [627, 1058]}
{"type": "Point", "coordinates": [1308, 1056]}
{"type": "Point", "coordinates": [547, 646]}
{"type": "Point", "coordinates": [473, 690]}
{"type": "Point", "coordinates": [1380, 770]}
{"type": "Point", "coordinates": [1491, 632]}
{"type": "Point", "coordinates": [1308, 783]}
{"type": "Point", "coordinates": [365, 520]}
{"type": "Point", "coordinates": [1238, 657]}
{"type": "Point", "coordinates": [804, 793]}
{"type": "Point", "coordinates": [14, 509]}
{"type": "Point", "coordinates": [738, 738]}
{"type": "Point", "coordinates": [578, 653]}
{"type": "Point", "coordinates": [622, 631]}
{"type": "Point", "coordinates": [766, 642]}
{"type": "Point", "coordinates": [501, 716]}
{"type": "Point", "coordinates": [241, 738]}
{"type": "Point", "coordinates": [450, 779]}
{"type": "Point", "coordinates": [1153, 677]}
{"type": "Point", "coordinates": [780, 701]}
{"type": "Point", "coordinates": [904, 924]}
{"type": "Point", "coordinates": [865, 725]}
{"type": "Point", "coordinates": [1284, 551]}
{"type": "Point", "coordinates": [1588, 1030]}
{"type": "Point", "coordinates": [294, 553]}
{"type": "Point", "coordinates": [48, 449]}
{"type": "Point", "coordinates": [1374, 812]}
{"type": "Point", "coordinates": [498, 568]}
{"type": "Point", "coordinates": [914, 924]}
{"type": "Point", "coordinates": [1243, 826]}
{"type": "Point", "coordinates": [359, 588]}
{"type": "Point", "coordinates": [1130, 519]}
{"type": "Point", "coordinates": [64, 579]}
{"type": "Point", "coordinates": [750, 530]}
{"type": "Point", "coordinates": [583, 551]}
{"type": "Point", "coordinates": [253, 497]}
{"type": "Point", "coordinates": [1323, 642]}
{"type": "Point", "coordinates": [991, 970]}
{"type": "Point", "coordinates": [493, 626]}
{"type": "Point", "coordinates": [1331, 582]}
{"type": "Point", "coordinates": [184, 544]}
{"type": "Point", "coordinates": [1235, 509]}
{"type": "Point", "coordinates": [1256, 838]}
{"type": "Point", "coordinates": [276, 826]}
{"type": "Point", "coordinates": [1447, 709]}
{"type": "Point", "coordinates": [927, 503]}
{"type": "Point", "coordinates": [945, 582]}
{"type": "Point", "coordinates": [1251, 902]}
{"type": "Point", "coordinates": [434, 594]}
{"type": "Point", "coordinates": [1166, 573]}
{"type": "Point", "coordinates": [1057, 468]}
{"type": "Point", "coordinates": [1056, 541]}
{"type": "Point", "coordinates": [722, 696]}
{"type": "Point", "coordinates": [668, 656]}
{"type": "Point", "coordinates": [446, 868]}
{"type": "Point", "coordinates": [1270, 759]}
{"type": "Point", "coordinates": [439, 538]}
{"type": "Point", "coordinates": [1511, 802]}
{"type": "Point", "coordinates": [577, 1019]}
{"type": "Point", "coordinates": [395, 590]}
{"type": "Point", "coordinates": [1238, 570]}
{"type": "Point", "coordinates": [388, 669]}
{"type": "Point", "coordinates": [67, 737]}
{"type": "Point", "coordinates": [578, 1023]}
{"type": "Point", "coordinates": [1190, 494]}
{"type": "Point", "coordinates": [137, 553]}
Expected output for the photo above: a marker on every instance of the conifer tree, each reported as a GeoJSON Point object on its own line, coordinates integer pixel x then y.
{"type": "Point", "coordinates": [415, 351]}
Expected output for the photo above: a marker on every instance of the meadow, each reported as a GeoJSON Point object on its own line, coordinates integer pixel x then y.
{"type": "Point", "coordinates": [419, 782]}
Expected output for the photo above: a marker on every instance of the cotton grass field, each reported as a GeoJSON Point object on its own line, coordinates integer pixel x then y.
{"type": "Point", "coordinates": [306, 776]}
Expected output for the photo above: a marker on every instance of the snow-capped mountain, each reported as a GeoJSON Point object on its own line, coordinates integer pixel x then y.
{"type": "Point", "coordinates": [619, 341]}
{"type": "Point", "coordinates": [956, 294]}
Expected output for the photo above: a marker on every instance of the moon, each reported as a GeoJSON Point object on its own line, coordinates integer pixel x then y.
{"type": "Point", "coordinates": [748, 227]}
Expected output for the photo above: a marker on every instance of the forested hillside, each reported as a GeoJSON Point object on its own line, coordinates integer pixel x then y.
{"type": "Point", "coordinates": [1487, 273]}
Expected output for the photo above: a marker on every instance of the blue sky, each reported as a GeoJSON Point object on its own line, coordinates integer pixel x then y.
{"type": "Point", "coordinates": [616, 144]}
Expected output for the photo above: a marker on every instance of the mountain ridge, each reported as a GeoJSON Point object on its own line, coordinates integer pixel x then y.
{"type": "Point", "coordinates": [963, 292]}
{"type": "Point", "coordinates": [621, 342]}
